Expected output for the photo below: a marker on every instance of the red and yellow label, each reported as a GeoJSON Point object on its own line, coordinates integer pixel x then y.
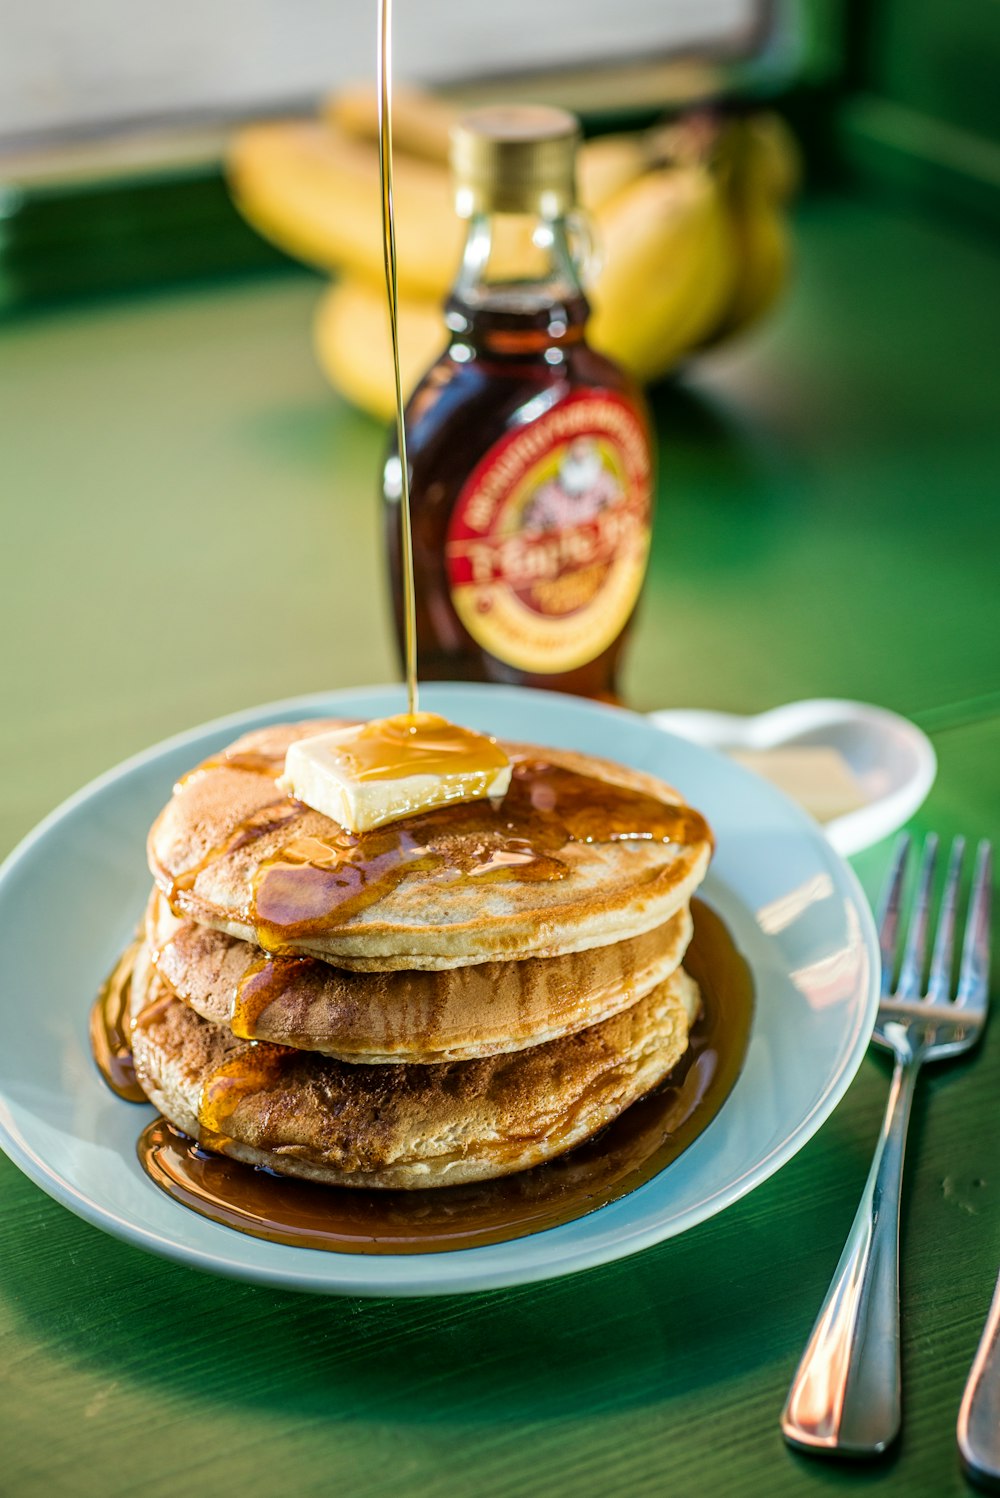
{"type": "Point", "coordinates": [548, 540]}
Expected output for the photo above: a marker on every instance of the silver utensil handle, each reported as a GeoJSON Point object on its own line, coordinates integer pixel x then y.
{"type": "Point", "coordinates": [845, 1396]}
{"type": "Point", "coordinates": [979, 1415]}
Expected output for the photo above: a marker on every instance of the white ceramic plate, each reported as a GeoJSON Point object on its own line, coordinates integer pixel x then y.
{"type": "Point", "coordinates": [890, 758]}
{"type": "Point", "coordinates": [792, 905]}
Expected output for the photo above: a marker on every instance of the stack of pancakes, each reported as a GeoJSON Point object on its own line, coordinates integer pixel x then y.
{"type": "Point", "coordinates": [432, 1003]}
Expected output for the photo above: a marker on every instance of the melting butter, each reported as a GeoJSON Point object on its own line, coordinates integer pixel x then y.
{"type": "Point", "coordinates": [390, 768]}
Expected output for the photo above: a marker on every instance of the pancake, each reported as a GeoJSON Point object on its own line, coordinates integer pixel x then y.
{"type": "Point", "coordinates": [449, 1015]}
{"type": "Point", "coordinates": [580, 853]}
{"type": "Point", "coordinates": [406, 1126]}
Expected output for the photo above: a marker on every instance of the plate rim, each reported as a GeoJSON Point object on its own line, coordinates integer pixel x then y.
{"type": "Point", "coordinates": [575, 1258]}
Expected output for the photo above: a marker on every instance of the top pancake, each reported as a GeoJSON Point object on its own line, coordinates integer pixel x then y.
{"type": "Point", "coordinates": [580, 853]}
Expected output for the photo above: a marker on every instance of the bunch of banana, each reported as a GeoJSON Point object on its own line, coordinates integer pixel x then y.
{"type": "Point", "coordinates": [688, 219]}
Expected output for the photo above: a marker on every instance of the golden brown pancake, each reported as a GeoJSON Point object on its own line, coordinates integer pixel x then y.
{"type": "Point", "coordinates": [405, 1126]}
{"type": "Point", "coordinates": [579, 854]}
{"type": "Point", "coordinates": [449, 1015]}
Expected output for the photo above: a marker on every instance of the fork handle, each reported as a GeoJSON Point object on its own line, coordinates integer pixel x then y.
{"type": "Point", "coordinates": [979, 1415]}
{"type": "Point", "coordinates": [845, 1396]}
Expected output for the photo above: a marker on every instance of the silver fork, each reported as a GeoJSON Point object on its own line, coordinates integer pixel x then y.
{"type": "Point", "coordinates": [845, 1396]}
{"type": "Point", "coordinates": [979, 1415]}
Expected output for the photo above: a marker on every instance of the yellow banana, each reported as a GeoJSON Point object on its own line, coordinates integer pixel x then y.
{"type": "Point", "coordinates": [763, 170]}
{"type": "Point", "coordinates": [772, 157]}
{"type": "Point", "coordinates": [351, 338]}
{"type": "Point", "coordinates": [763, 257]}
{"type": "Point", "coordinates": [689, 254]}
{"type": "Point", "coordinates": [421, 122]}
{"type": "Point", "coordinates": [667, 269]}
{"type": "Point", "coordinates": [314, 191]}
{"type": "Point", "coordinates": [608, 164]}
{"type": "Point", "coordinates": [666, 275]}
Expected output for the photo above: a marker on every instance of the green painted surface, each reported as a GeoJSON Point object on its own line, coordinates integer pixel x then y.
{"type": "Point", "coordinates": [940, 60]}
{"type": "Point", "coordinates": [920, 120]}
{"type": "Point", "coordinates": [190, 527]}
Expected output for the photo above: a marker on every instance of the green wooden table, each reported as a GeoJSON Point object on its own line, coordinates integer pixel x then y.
{"type": "Point", "coordinates": [827, 526]}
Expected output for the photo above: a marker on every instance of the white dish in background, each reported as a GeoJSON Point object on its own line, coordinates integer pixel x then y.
{"type": "Point", "coordinates": [792, 905]}
{"type": "Point", "coordinates": [891, 759]}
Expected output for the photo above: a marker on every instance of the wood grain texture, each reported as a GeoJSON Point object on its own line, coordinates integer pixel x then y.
{"type": "Point", "coordinates": [820, 486]}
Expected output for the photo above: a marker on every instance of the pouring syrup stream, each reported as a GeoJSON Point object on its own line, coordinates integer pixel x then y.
{"type": "Point", "coordinates": [389, 257]}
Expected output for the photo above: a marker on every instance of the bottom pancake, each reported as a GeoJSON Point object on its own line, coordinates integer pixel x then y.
{"type": "Point", "coordinates": [400, 1126]}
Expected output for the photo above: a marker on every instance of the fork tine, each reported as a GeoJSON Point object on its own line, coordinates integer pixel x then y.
{"type": "Point", "coordinates": [939, 986]}
{"type": "Point", "coordinates": [911, 974]}
{"type": "Point", "coordinates": [974, 976]}
{"type": "Point", "coordinates": [888, 910]}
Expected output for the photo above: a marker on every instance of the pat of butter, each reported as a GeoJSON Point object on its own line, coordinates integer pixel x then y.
{"type": "Point", "coordinates": [391, 768]}
{"type": "Point", "coordinates": [814, 775]}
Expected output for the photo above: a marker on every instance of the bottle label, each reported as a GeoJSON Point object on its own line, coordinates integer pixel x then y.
{"type": "Point", "coordinates": [548, 540]}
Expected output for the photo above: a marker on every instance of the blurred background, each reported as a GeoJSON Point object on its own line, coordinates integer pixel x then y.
{"type": "Point", "coordinates": [193, 388]}
{"type": "Point", "coordinates": [115, 64]}
{"type": "Point", "coordinates": [115, 122]}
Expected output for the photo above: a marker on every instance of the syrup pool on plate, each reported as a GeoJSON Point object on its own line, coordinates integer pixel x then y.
{"type": "Point", "coordinates": [644, 1140]}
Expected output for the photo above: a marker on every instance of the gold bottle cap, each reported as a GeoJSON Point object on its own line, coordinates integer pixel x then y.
{"type": "Point", "coordinates": [515, 158]}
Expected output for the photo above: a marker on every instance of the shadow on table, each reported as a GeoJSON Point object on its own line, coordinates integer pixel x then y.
{"type": "Point", "coordinates": [721, 476]}
{"type": "Point", "coordinates": [731, 1297]}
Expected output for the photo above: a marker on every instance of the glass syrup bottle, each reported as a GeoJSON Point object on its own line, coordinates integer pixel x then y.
{"type": "Point", "coordinates": [529, 452]}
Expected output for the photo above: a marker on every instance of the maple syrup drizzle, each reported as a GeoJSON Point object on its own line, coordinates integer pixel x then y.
{"type": "Point", "coordinates": [645, 1139]}
{"type": "Point", "coordinates": [254, 1069]}
{"type": "Point", "coordinates": [315, 885]}
{"type": "Point", "coordinates": [422, 744]}
{"type": "Point", "coordinates": [254, 761]}
{"type": "Point", "coordinates": [264, 981]}
{"type": "Point", "coordinates": [110, 1040]}
{"type": "Point", "coordinates": [389, 257]}
{"type": "Point", "coordinates": [153, 1013]}
{"type": "Point", "coordinates": [262, 822]}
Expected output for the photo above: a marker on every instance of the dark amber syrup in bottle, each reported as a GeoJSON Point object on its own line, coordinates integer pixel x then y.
{"type": "Point", "coordinates": [529, 452]}
{"type": "Point", "coordinates": [505, 364]}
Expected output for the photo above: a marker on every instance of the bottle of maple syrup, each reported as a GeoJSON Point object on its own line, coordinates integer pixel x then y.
{"type": "Point", "coordinates": [529, 453]}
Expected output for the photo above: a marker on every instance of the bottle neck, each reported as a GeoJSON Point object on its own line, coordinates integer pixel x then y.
{"type": "Point", "coordinates": [519, 284]}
